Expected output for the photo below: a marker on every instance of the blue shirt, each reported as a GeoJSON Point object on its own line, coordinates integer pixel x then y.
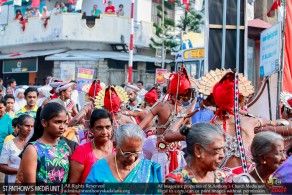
{"type": "Point", "coordinates": [203, 116]}
{"type": "Point", "coordinates": [5, 128]}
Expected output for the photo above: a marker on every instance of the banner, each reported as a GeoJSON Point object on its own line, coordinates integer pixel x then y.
{"type": "Point", "coordinates": [270, 47]}
{"type": "Point", "coordinates": [67, 71]}
{"type": "Point", "coordinates": [287, 84]}
{"type": "Point", "coordinates": [84, 76]}
{"type": "Point", "coordinates": [159, 79]}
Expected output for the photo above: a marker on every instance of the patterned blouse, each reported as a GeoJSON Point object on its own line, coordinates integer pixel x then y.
{"type": "Point", "coordinates": [52, 162]}
{"type": "Point", "coordinates": [181, 176]}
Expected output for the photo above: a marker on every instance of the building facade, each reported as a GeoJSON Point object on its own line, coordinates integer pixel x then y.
{"type": "Point", "coordinates": [31, 50]}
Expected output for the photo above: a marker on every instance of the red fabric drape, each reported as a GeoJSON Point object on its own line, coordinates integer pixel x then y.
{"type": "Point", "coordinates": [275, 6]}
{"type": "Point", "coordinates": [287, 72]}
{"type": "Point", "coordinates": [2, 1]}
{"type": "Point", "coordinates": [35, 3]}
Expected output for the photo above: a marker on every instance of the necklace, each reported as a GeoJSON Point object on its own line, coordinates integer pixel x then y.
{"type": "Point", "coordinates": [118, 168]}
{"type": "Point", "coordinates": [258, 175]}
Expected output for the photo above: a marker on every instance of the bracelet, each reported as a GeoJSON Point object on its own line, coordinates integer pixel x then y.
{"type": "Point", "coordinates": [270, 122]}
{"type": "Point", "coordinates": [127, 113]}
{"type": "Point", "coordinates": [261, 122]}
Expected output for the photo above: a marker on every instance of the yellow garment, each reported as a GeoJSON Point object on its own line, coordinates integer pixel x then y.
{"type": "Point", "coordinates": [9, 137]}
{"type": "Point", "coordinates": [70, 133]}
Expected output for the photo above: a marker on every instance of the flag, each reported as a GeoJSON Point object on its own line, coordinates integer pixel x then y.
{"type": "Point", "coordinates": [2, 1]}
{"type": "Point", "coordinates": [275, 6]}
{"type": "Point", "coordinates": [104, 2]}
{"type": "Point", "coordinates": [69, 1]}
{"type": "Point", "coordinates": [35, 3]}
{"type": "Point", "coordinates": [187, 3]}
{"type": "Point", "coordinates": [287, 77]}
{"type": "Point", "coordinates": [17, 2]}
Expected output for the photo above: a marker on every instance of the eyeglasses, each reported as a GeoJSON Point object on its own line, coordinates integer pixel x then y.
{"type": "Point", "coordinates": [281, 153]}
{"type": "Point", "coordinates": [128, 154]}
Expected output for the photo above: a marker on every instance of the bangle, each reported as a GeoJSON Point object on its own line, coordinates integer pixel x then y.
{"type": "Point", "coordinates": [261, 122]}
{"type": "Point", "coordinates": [270, 122]}
{"type": "Point", "coordinates": [127, 113]}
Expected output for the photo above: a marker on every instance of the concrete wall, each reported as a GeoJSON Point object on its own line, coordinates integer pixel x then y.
{"type": "Point", "coordinates": [108, 29]}
{"type": "Point", "coordinates": [142, 8]}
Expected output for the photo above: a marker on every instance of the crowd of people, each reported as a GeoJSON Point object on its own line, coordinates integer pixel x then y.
{"type": "Point", "coordinates": [62, 7]}
{"type": "Point", "coordinates": [186, 133]}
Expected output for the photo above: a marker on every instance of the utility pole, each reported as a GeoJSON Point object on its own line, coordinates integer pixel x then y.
{"type": "Point", "coordinates": [162, 24]}
{"type": "Point", "coordinates": [131, 52]}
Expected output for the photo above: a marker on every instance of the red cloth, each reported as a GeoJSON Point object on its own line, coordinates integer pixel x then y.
{"type": "Point", "coordinates": [181, 79]}
{"type": "Point", "coordinates": [173, 161]}
{"type": "Point", "coordinates": [151, 96]}
{"type": "Point", "coordinates": [84, 154]}
{"type": "Point", "coordinates": [287, 77]}
{"type": "Point", "coordinates": [94, 88]}
{"type": "Point", "coordinates": [54, 96]}
{"type": "Point", "coordinates": [223, 94]}
{"type": "Point", "coordinates": [275, 6]}
{"type": "Point", "coordinates": [35, 3]}
{"type": "Point", "coordinates": [112, 102]}
{"type": "Point", "coordinates": [110, 9]}
{"type": "Point", "coordinates": [2, 1]}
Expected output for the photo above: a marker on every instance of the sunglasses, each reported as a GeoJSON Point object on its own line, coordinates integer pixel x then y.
{"type": "Point", "coordinates": [128, 154]}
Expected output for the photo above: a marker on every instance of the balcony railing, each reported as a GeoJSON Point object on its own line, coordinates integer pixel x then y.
{"type": "Point", "coordinates": [109, 29]}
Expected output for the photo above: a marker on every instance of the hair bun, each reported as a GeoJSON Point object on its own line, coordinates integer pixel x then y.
{"type": "Point", "coordinates": [184, 130]}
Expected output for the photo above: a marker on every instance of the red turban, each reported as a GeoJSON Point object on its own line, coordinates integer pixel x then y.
{"type": "Point", "coordinates": [223, 93]}
{"type": "Point", "coordinates": [289, 101]}
{"type": "Point", "coordinates": [112, 101]}
{"type": "Point", "coordinates": [94, 88]}
{"type": "Point", "coordinates": [151, 96]}
{"type": "Point", "coordinates": [184, 82]}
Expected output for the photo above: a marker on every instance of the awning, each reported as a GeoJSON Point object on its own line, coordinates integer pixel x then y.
{"type": "Point", "coordinates": [258, 23]}
{"type": "Point", "coordinates": [30, 54]}
{"type": "Point", "coordinates": [95, 55]}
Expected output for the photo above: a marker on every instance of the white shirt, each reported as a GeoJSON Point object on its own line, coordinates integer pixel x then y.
{"type": "Point", "coordinates": [75, 97]}
{"type": "Point", "coordinates": [9, 156]}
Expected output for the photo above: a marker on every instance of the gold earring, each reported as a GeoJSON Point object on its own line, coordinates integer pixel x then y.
{"type": "Point", "coordinates": [199, 156]}
{"type": "Point", "coordinates": [265, 162]}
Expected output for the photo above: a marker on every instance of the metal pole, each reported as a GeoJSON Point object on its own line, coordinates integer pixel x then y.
{"type": "Point", "coordinates": [223, 34]}
{"type": "Point", "coordinates": [281, 64]}
{"type": "Point", "coordinates": [269, 98]}
{"type": "Point", "coordinates": [237, 34]}
{"type": "Point", "coordinates": [162, 24]}
{"type": "Point", "coordinates": [130, 66]}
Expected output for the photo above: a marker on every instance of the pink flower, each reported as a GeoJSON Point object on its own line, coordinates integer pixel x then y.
{"type": "Point", "coordinates": [60, 174]}
{"type": "Point", "coordinates": [52, 175]}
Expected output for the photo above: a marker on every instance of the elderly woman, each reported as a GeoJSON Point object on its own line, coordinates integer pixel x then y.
{"type": "Point", "coordinates": [9, 160]}
{"type": "Point", "coordinates": [126, 165]}
{"type": "Point", "coordinates": [268, 153]}
{"type": "Point", "coordinates": [205, 147]}
{"type": "Point", "coordinates": [99, 147]}
{"type": "Point", "coordinates": [20, 101]}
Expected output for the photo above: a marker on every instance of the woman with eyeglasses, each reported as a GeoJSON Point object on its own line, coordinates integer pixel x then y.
{"type": "Point", "coordinates": [92, 151]}
{"type": "Point", "coordinates": [126, 166]}
{"type": "Point", "coordinates": [268, 154]}
{"type": "Point", "coordinates": [205, 148]}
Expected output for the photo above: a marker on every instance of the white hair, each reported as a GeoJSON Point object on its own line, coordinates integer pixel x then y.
{"type": "Point", "coordinates": [128, 132]}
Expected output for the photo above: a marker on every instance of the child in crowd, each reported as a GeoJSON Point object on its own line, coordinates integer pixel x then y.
{"type": "Point", "coordinates": [15, 128]}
